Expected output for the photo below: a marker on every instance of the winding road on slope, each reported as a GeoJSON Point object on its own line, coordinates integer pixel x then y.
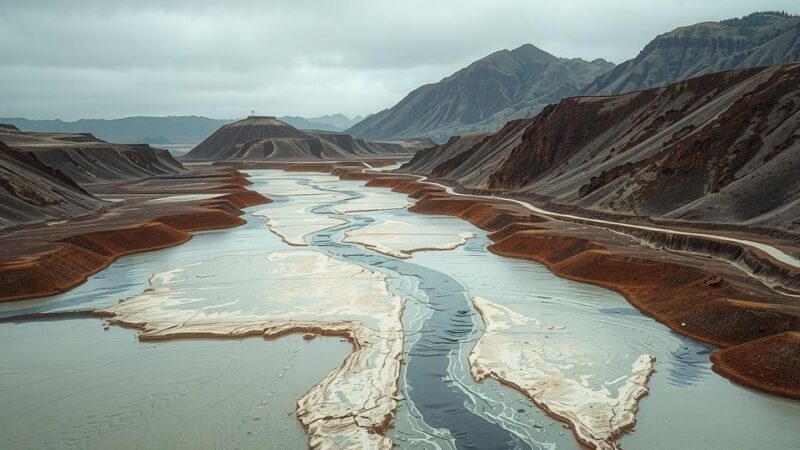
{"type": "Point", "coordinates": [773, 252]}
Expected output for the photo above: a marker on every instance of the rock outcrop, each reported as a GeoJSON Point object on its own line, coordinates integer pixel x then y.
{"type": "Point", "coordinates": [33, 192]}
{"type": "Point", "coordinates": [760, 39]}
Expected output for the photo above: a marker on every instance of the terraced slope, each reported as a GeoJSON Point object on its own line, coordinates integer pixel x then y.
{"type": "Point", "coordinates": [48, 176]}
{"type": "Point", "coordinates": [263, 138]}
{"type": "Point", "coordinates": [86, 159]}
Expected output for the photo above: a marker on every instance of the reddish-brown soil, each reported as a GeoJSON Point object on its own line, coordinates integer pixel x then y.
{"type": "Point", "coordinates": [705, 299]}
{"type": "Point", "coordinates": [46, 260]}
{"type": "Point", "coordinates": [771, 364]}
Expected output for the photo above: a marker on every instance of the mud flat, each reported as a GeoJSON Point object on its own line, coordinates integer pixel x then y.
{"type": "Point", "coordinates": [293, 223]}
{"type": "Point", "coordinates": [231, 284]}
{"type": "Point", "coordinates": [400, 239]}
{"type": "Point", "coordinates": [511, 351]}
{"type": "Point", "coordinates": [373, 200]}
{"type": "Point", "coordinates": [354, 404]}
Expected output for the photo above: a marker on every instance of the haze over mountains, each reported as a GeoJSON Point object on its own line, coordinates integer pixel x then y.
{"type": "Point", "coordinates": [333, 122]}
{"type": "Point", "coordinates": [503, 86]}
{"type": "Point", "coordinates": [136, 130]}
{"type": "Point", "coordinates": [164, 130]}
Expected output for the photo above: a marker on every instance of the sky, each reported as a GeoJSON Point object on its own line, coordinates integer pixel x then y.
{"type": "Point", "coordinates": [117, 58]}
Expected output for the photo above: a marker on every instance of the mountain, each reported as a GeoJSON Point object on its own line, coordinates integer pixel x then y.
{"type": "Point", "coordinates": [135, 130]}
{"type": "Point", "coordinates": [32, 192]}
{"type": "Point", "coordinates": [335, 122]}
{"type": "Point", "coordinates": [483, 96]}
{"type": "Point", "coordinates": [43, 176]}
{"type": "Point", "coordinates": [759, 39]}
{"type": "Point", "coordinates": [719, 148]}
{"type": "Point", "coordinates": [86, 160]}
{"type": "Point", "coordinates": [260, 138]}
{"type": "Point", "coordinates": [165, 130]}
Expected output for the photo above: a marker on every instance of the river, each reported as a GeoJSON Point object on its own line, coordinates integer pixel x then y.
{"type": "Point", "coordinates": [69, 382]}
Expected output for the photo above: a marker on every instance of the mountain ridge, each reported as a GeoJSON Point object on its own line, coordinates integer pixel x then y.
{"type": "Point", "coordinates": [758, 39]}
{"type": "Point", "coordinates": [502, 86]}
{"type": "Point", "coordinates": [262, 138]}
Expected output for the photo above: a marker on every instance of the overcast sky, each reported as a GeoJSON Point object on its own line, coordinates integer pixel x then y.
{"type": "Point", "coordinates": [116, 58]}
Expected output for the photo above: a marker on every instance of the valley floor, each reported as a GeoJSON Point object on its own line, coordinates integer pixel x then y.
{"type": "Point", "coordinates": [450, 345]}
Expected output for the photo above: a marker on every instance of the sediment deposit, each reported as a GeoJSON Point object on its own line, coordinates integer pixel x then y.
{"type": "Point", "coordinates": [512, 350]}
{"type": "Point", "coordinates": [770, 364]}
{"type": "Point", "coordinates": [400, 239]}
{"type": "Point", "coordinates": [352, 406]}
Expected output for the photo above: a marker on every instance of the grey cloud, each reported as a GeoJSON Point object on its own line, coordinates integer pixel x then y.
{"type": "Point", "coordinates": [111, 58]}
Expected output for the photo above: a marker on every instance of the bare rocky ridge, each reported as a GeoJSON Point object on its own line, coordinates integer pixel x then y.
{"type": "Point", "coordinates": [47, 176]}
{"type": "Point", "coordinates": [483, 96]}
{"type": "Point", "coordinates": [263, 138]}
{"type": "Point", "coordinates": [721, 148]}
{"type": "Point", "coordinates": [33, 192]}
{"type": "Point", "coordinates": [760, 39]}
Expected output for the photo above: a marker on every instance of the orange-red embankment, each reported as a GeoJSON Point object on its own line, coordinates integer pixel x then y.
{"type": "Point", "coordinates": [688, 299]}
{"type": "Point", "coordinates": [771, 364]}
{"type": "Point", "coordinates": [204, 219]}
{"type": "Point", "coordinates": [73, 259]}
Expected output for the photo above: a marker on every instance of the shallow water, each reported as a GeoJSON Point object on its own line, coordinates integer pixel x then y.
{"type": "Point", "coordinates": [71, 384]}
{"type": "Point", "coordinates": [77, 366]}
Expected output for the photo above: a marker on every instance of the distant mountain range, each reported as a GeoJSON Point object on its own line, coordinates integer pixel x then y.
{"type": "Point", "coordinates": [334, 122]}
{"type": "Point", "coordinates": [134, 130]}
{"type": "Point", "coordinates": [164, 130]}
{"type": "Point", "coordinates": [519, 83]}
{"type": "Point", "coordinates": [506, 85]}
{"type": "Point", "coordinates": [759, 39]}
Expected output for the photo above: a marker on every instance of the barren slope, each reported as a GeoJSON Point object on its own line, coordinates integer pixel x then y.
{"type": "Point", "coordinates": [269, 139]}
{"type": "Point", "coordinates": [760, 39]}
{"type": "Point", "coordinates": [723, 148]}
